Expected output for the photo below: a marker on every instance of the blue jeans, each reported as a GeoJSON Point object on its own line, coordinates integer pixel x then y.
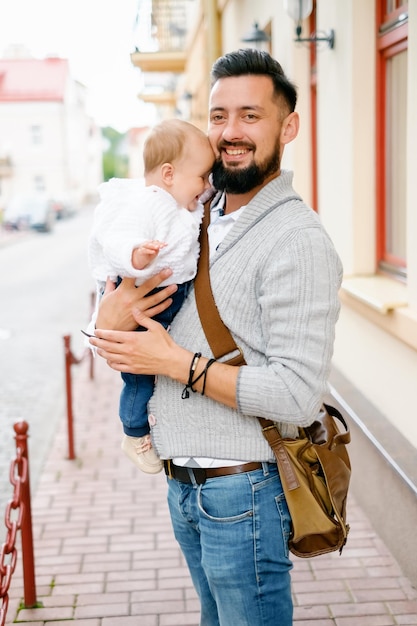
{"type": "Point", "coordinates": [138, 388]}
{"type": "Point", "coordinates": [233, 531]}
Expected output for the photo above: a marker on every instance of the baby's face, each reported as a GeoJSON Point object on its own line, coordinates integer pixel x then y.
{"type": "Point", "coordinates": [191, 173]}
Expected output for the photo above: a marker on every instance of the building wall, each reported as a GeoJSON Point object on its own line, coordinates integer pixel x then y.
{"type": "Point", "coordinates": [412, 157]}
{"type": "Point", "coordinates": [368, 349]}
{"type": "Point", "coordinates": [81, 139]}
{"type": "Point", "coordinates": [69, 156]}
{"type": "Point", "coordinates": [29, 159]}
{"type": "Point", "coordinates": [135, 142]}
{"type": "Point", "coordinates": [346, 117]}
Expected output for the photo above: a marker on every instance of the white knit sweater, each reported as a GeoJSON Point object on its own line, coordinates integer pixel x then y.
{"type": "Point", "coordinates": [130, 214]}
{"type": "Point", "coordinates": [275, 279]}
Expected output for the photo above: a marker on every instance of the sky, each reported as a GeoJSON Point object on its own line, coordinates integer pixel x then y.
{"type": "Point", "coordinates": [97, 37]}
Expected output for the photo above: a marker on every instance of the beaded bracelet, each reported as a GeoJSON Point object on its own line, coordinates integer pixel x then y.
{"type": "Point", "coordinates": [185, 393]}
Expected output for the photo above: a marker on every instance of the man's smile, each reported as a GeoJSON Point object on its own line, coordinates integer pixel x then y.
{"type": "Point", "coordinates": [236, 151]}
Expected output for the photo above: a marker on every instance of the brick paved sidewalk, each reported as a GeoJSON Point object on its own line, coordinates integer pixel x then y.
{"type": "Point", "coordinates": [105, 554]}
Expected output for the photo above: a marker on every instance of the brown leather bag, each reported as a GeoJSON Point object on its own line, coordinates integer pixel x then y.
{"type": "Point", "coordinates": [314, 468]}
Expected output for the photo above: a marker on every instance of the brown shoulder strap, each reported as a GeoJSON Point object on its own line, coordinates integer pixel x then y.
{"type": "Point", "coordinates": [217, 333]}
{"type": "Point", "coordinates": [222, 343]}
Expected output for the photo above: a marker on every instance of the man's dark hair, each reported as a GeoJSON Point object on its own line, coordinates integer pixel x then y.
{"type": "Point", "coordinates": [251, 61]}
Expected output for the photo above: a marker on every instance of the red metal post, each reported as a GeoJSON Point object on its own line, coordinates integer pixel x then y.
{"type": "Point", "coordinates": [91, 360]}
{"type": "Point", "coordinates": [91, 355]}
{"type": "Point", "coordinates": [28, 560]}
{"type": "Point", "coordinates": [70, 418]}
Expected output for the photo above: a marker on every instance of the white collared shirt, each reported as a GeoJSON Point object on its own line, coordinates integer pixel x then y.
{"type": "Point", "coordinates": [220, 224]}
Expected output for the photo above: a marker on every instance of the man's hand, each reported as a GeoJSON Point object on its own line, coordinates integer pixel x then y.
{"type": "Point", "coordinates": [116, 307]}
{"type": "Point", "coordinates": [154, 352]}
{"type": "Point", "coordinates": [150, 352]}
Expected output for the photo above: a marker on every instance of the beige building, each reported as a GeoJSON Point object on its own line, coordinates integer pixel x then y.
{"type": "Point", "coordinates": [355, 64]}
{"type": "Point", "coordinates": [48, 143]}
{"type": "Point", "coordinates": [135, 142]}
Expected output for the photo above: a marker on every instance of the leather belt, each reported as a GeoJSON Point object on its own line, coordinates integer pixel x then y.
{"type": "Point", "coordinates": [182, 474]}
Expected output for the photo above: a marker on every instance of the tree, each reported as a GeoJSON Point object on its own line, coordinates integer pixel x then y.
{"type": "Point", "coordinates": [115, 160]}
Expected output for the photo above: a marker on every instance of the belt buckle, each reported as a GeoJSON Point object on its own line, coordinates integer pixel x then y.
{"type": "Point", "coordinates": [199, 475]}
{"type": "Point", "coordinates": [168, 468]}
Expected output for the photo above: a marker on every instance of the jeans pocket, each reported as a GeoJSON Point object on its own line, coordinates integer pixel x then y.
{"type": "Point", "coordinates": [226, 499]}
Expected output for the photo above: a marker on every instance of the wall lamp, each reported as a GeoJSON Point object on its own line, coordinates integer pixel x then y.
{"type": "Point", "coordinates": [299, 10]}
{"type": "Point", "coordinates": [256, 35]}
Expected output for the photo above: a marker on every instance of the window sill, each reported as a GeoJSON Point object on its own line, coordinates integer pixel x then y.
{"type": "Point", "coordinates": [378, 292]}
{"type": "Point", "coordinates": [384, 303]}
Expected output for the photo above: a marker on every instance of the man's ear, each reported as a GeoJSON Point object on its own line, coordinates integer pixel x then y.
{"type": "Point", "coordinates": [167, 173]}
{"type": "Point", "coordinates": [290, 127]}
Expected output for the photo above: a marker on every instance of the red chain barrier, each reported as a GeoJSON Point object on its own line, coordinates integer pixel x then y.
{"type": "Point", "coordinates": [20, 520]}
{"type": "Point", "coordinates": [21, 505]}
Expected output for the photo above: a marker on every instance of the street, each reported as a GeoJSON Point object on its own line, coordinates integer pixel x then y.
{"type": "Point", "coordinates": [46, 293]}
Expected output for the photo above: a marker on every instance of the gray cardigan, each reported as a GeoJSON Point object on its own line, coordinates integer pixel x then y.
{"type": "Point", "coordinates": [275, 279]}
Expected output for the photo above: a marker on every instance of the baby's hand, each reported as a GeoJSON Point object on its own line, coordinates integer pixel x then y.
{"type": "Point", "coordinates": [144, 254]}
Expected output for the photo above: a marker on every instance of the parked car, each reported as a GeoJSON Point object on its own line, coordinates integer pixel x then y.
{"type": "Point", "coordinates": [34, 211]}
{"type": "Point", "coordinates": [63, 207]}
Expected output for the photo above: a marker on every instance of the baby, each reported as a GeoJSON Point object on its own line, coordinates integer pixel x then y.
{"type": "Point", "coordinates": [140, 228]}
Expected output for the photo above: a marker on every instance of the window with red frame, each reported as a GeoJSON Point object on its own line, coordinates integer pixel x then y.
{"type": "Point", "coordinates": [391, 134]}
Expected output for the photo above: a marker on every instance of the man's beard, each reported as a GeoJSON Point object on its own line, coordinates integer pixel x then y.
{"type": "Point", "coordinates": [237, 181]}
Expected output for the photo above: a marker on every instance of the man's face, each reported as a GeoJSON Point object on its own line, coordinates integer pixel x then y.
{"type": "Point", "coordinates": [244, 131]}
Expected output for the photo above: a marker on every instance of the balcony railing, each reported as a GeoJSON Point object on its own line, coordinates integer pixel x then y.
{"type": "Point", "coordinates": [160, 35]}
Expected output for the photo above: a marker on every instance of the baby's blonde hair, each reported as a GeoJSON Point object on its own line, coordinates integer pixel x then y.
{"type": "Point", "coordinates": [167, 141]}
